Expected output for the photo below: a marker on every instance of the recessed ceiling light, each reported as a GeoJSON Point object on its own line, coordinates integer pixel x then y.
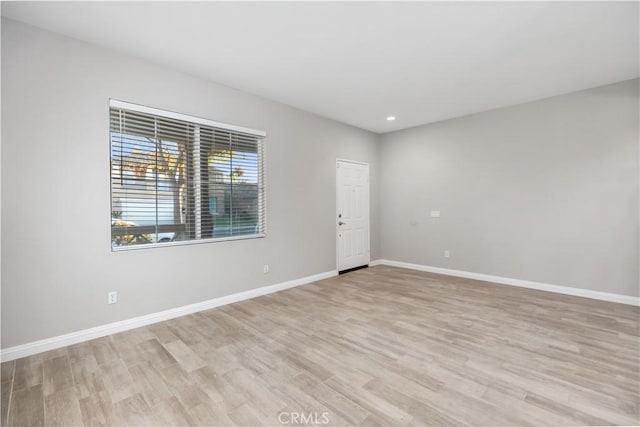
{"type": "Point", "coordinates": [391, 118]}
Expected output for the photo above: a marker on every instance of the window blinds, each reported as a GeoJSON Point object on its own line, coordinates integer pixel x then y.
{"type": "Point", "coordinates": [176, 178]}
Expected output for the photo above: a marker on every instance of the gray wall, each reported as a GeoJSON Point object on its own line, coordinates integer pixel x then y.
{"type": "Point", "coordinates": [545, 191]}
{"type": "Point", "coordinates": [57, 266]}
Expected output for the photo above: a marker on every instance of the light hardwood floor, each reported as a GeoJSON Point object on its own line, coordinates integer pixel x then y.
{"type": "Point", "coordinates": [380, 346]}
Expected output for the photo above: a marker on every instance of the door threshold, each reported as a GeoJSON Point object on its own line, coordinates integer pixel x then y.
{"type": "Point", "coordinates": [349, 270]}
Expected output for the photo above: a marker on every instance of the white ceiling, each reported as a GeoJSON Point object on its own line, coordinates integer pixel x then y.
{"type": "Point", "coordinates": [360, 62]}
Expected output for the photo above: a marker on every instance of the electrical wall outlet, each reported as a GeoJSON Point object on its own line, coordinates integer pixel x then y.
{"type": "Point", "coordinates": [265, 269]}
{"type": "Point", "coordinates": [435, 214]}
{"type": "Point", "coordinates": [112, 297]}
{"type": "Point", "coordinates": [447, 254]}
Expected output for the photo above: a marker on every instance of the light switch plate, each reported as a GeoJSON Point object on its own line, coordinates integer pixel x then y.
{"type": "Point", "coordinates": [435, 214]}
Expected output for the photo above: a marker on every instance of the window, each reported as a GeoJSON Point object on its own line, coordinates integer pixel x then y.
{"type": "Point", "coordinates": [176, 178]}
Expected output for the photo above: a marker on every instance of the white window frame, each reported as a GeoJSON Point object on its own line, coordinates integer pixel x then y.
{"type": "Point", "coordinates": [262, 195]}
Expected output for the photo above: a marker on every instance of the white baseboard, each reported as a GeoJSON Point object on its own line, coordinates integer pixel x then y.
{"type": "Point", "coordinates": [47, 344]}
{"type": "Point", "coordinates": [35, 347]}
{"type": "Point", "coordinates": [585, 293]}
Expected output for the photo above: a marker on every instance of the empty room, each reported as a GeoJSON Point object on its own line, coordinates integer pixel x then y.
{"type": "Point", "coordinates": [320, 213]}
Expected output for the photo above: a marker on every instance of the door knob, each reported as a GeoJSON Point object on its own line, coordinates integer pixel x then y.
{"type": "Point", "coordinates": [341, 223]}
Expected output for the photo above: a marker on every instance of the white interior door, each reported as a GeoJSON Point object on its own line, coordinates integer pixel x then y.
{"type": "Point", "coordinates": [352, 214]}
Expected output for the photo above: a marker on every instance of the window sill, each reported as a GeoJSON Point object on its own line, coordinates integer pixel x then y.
{"type": "Point", "coordinates": [185, 242]}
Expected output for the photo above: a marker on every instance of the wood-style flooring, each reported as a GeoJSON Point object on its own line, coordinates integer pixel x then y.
{"type": "Point", "coordinates": [379, 346]}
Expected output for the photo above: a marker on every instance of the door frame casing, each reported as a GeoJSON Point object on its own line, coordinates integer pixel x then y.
{"type": "Point", "coordinates": [335, 214]}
